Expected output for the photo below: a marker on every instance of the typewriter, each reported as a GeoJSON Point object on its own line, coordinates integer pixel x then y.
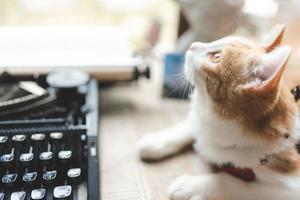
{"type": "Point", "coordinates": [48, 137]}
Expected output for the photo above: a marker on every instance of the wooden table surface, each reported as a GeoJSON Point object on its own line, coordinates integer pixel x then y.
{"type": "Point", "coordinates": [126, 114]}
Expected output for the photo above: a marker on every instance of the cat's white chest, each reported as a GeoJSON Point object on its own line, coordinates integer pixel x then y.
{"type": "Point", "coordinates": [220, 141]}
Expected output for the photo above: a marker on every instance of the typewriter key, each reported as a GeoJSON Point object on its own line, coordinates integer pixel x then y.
{"type": "Point", "coordinates": [9, 178]}
{"type": "Point", "coordinates": [37, 194]}
{"type": "Point", "coordinates": [26, 157]}
{"type": "Point", "coordinates": [19, 138]}
{"type": "Point", "coordinates": [74, 175]}
{"type": "Point", "coordinates": [74, 172]}
{"type": "Point", "coordinates": [49, 175]}
{"type": "Point", "coordinates": [38, 137]}
{"type": "Point", "coordinates": [29, 177]}
{"type": "Point", "coordinates": [56, 135]}
{"type": "Point", "coordinates": [46, 156]}
{"type": "Point", "coordinates": [61, 192]}
{"type": "Point", "coordinates": [21, 195]}
{"type": "Point", "coordinates": [3, 140]}
{"type": "Point", "coordinates": [65, 155]}
{"type": "Point", "coordinates": [5, 158]}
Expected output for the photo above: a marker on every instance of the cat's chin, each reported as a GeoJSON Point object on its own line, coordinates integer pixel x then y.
{"type": "Point", "coordinates": [190, 80]}
{"type": "Point", "coordinates": [189, 73]}
{"type": "Point", "coordinates": [191, 66]}
{"type": "Point", "coordinates": [193, 78]}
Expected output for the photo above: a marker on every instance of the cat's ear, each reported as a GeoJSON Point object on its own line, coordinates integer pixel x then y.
{"type": "Point", "coordinates": [274, 38]}
{"type": "Point", "coordinates": [270, 70]}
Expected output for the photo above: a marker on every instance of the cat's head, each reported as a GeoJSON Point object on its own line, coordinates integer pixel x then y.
{"type": "Point", "coordinates": [238, 75]}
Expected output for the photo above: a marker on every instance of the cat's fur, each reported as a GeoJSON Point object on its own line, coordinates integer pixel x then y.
{"type": "Point", "coordinates": [241, 112]}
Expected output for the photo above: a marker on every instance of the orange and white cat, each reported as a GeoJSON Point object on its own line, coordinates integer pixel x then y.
{"type": "Point", "coordinates": [243, 120]}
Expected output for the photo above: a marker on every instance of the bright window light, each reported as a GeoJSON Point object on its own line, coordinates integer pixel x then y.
{"type": "Point", "coordinates": [261, 8]}
{"type": "Point", "coordinates": [46, 5]}
{"type": "Point", "coordinates": [127, 5]}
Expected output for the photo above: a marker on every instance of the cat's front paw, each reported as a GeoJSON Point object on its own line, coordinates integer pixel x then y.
{"type": "Point", "coordinates": [152, 147]}
{"type": "Point", "coordinates": [187, 188]}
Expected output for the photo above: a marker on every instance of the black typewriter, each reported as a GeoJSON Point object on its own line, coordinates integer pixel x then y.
{"type": "Point", "coordinates": [48, 137]}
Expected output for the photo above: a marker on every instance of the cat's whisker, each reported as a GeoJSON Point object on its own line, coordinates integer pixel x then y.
{"type": "Point", "coordinates": [180, 74]}
{"type": "Point", "coordinates": [181, 83]}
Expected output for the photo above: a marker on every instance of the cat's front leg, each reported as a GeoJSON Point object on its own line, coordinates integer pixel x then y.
{"type": "Point", "coordinates": [219, 186]}
{"type": "Point", "coordinates": [155, 146]}
{"type": "Point", "coordinates": [222, 186]}
{"type": "Point", "coordinates": [188, 187]}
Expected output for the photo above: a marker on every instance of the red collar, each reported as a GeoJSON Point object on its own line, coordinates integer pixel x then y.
{"type": "Point", "coordinates": [245, 174]}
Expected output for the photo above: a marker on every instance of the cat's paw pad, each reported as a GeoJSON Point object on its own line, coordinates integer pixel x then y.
{"type": "Point", "coordinates": [152, 147]}
{"type": "Point", "coordinates": [185, 188]}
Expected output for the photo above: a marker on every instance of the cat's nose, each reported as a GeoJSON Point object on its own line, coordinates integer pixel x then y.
{"type": "Point", "coordinates": [196, 46]}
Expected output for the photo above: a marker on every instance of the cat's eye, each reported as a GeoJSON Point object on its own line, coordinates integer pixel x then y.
{"type": "Point", "coordinates": [215, 57]}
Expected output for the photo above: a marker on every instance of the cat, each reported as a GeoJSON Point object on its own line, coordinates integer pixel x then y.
{"type": "Point", "coordinates": [243, 121]}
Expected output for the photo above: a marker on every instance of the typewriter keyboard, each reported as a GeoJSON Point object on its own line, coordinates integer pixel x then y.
{"type": "Point", "coordinates": [46, 165]}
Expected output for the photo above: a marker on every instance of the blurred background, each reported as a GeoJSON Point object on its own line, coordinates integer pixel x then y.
{"type": "Point", "coordinates": [133, 16]}
{"type": "Point", "coordinates": [158, 30]}
{"type": "Point", "coordinates": [135, 49]}
{"type": "Point", "coordinates": [136, 17]}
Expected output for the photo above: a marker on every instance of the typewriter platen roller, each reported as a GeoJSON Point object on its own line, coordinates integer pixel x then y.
{"type": "Point", "coordinates": [48, 137]}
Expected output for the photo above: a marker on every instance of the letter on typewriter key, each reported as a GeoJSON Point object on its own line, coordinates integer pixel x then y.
{"type": "Point", "coordinates": [62, 192]}
{"type": "Point", "coordinates": [38, 137]}
{"type": "Point", "coordinates": [38, 194]}
{"type": "Point", "coordinates": [18, 195]}
{"type": "Point", "coordinates": [3, 139]}
{"type": "Point", "coordinates": [18, 138]}
{"type": "Point", "coordinates": [38, 142]}
{"type": "Point", "coordinates": [45, 156]}
{"type": "Point", "coordinates": [56, 135]}
{"type": "Point", "coordinates": [64, 155]}
{"type": "Point", "coordinates": [74, 175]}
{"type": "Point", "coordinates": [1, 196]}
{"type": "Point", "coordinates": [5, 158]}
{"type": "Point", "coordinates": [49, 175]}
{"type": "Point", "coordinates": [3, 144]}
{"type": "Point", "coordinates": [29, 177]}
{"type": "Point", "coordinates": [9, 178]}
{"type": "Point", "coordinates": [26, 157]}
{"type": "Point", "coordinates": [74, 172]}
